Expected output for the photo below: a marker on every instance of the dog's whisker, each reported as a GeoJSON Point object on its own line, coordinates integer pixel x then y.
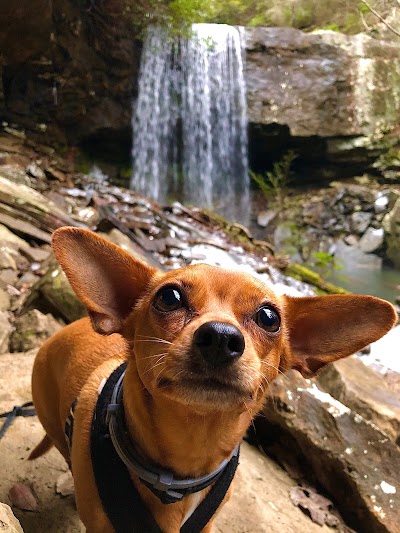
{"type": "Point", "coordinates": [159, 374]}
{"type": "Point", "coordinates": [152, 367]}
{"type": "Point", "coordinates": [279, 371]}
{"type": "Point", "coordinates": [163, 354]}
{"type": "Point", "coordinates": [146, 338]}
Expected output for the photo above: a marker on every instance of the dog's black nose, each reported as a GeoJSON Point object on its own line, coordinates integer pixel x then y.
{"type": "Point", "coordinates": [219, 343]}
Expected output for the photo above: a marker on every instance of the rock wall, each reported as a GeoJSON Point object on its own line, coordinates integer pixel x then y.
{"type": "Point", "coordinates": [69, 73]}
{"type": "Point", "coordinates": [68, 70]}
{"type": "Point", "coordinates": [328, 96]}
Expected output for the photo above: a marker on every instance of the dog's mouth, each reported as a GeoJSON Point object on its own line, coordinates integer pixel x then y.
{"type": "Point", "coordinates": [210, 389]}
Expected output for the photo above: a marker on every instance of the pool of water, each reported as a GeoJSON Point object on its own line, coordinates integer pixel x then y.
{"type": "Point", "coordinates": [365, 278]}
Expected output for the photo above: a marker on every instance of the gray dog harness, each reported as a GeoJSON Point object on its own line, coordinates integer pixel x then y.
{"type": "Point", "coordinates": [113, 457]}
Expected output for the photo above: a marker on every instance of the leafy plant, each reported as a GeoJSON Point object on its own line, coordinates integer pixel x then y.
{"type": "Point", "coordinates": [274, 183]}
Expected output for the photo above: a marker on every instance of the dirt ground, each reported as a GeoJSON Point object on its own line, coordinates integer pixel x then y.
{"type": "Point", "coordinates": [260, 502]}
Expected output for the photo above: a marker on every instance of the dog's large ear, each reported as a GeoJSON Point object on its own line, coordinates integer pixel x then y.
{"type": "Point", "coordinates": [106, 278]}
{"type": "Point", "coordinates": [326, 328]}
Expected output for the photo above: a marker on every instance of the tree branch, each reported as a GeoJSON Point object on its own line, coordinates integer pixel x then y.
{"type": "Point", "coordinates": [389, 26]}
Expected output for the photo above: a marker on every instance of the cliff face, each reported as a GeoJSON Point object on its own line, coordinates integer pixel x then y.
{"type": "Point", "coordinates": [69, 76]}
{"type": "Point", "coordinates": [326, 84]}
{"type": "Point", "coordinates": [330, 97]}
{"type": "Point", "coordinates": [68, 69]}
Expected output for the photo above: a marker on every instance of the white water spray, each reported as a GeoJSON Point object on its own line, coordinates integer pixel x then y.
{"type": "Point", "coordinates": [190, 123]}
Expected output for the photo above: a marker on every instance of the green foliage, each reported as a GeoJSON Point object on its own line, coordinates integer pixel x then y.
{"type": "Point", "coordinates": [324, 263]}
{"type": "Point", "coordinates": [332, 27]}
{"type": "Point", "coordinates": [308, 15]}
{"type": "Point", "coordinates": [175, 15]}
{"type": "Point", "coordinates": [274, 183]}
{"type": "Point", "coordinates": [362, 8]}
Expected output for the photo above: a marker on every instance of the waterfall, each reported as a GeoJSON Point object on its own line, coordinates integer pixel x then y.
{"type": "Point", "coordinates": [189, 121]}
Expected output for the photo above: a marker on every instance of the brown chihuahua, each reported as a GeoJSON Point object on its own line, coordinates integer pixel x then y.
{"type": "Point", "coordinates": [201, 345]}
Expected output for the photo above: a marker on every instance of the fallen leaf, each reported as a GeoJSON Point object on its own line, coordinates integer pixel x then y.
{"type": "Point", "coordinates": [312, 503]}
{"type": "Point", "coordinates": [21, 497]}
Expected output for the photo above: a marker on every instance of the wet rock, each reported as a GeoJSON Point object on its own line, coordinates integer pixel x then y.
{"type": "Point", "coordinates": [351, 240]}
{"type": "Point", "coordinates": [372, 240]}
{"type": "Point", "coordinates": [316, 213]}
{"type": "Point", "coordinates": [282, 236]}
{"type": "Point", "coordinates": [8, 522]}
{"type": "Point", "coordinates": [391, 225]}
{"type": "Point", "coordinates": [365, 392]}
{"type": "Point", "coordinates": [5, 331]}
{"type": "Point", "coordinates": [31, 329]}
{"type": "Point", "coordinates": [265, 217]}
{"type": "Point", "coordinates": [364, 196]}
{"type": "Point", "coordinates": [54, 294]}
{"type": "Point", "coordinates": [360, 221]}
{"type": "Point", "coordinates": [352, 459]}
{"type": "Point", "coordinates": [117, 237]}
{"type": "Point", "coordinates": [385, 351]}
{"type": "Point", "coordinates": [352, 255]}
{"type": "Point", "coordinates": [381, 204]}
{"type": "Point", "coordinates": [35, 171]}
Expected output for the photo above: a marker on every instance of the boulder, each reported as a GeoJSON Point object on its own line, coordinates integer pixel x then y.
{"type": "Point", "coordinates": [8, 522]}
{"type": "Point", "coordinates": [54, 294]}
{"type": "Point", "coordinates": [352, 257]}
{"type": "Point", "coordinates": [365, 392]}
{"type": "Point", "coordinates": [360, 221]}
{"type": "Point", "coordinates": [265, 217]}
{"type": "Point", "coordinates": [31, 329]}
{"type": "Point", "coordinates": [372, 240]}
{"type": "Point", "coordinates": [260, 500]}
{"type": "Point", "coordinates": [348, 455]}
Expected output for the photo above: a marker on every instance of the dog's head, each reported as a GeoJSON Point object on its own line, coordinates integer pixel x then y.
{"type": "Point", "coordinates": [209, 337]}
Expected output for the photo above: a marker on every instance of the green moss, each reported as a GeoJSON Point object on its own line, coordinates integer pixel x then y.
{"type": "Point", "coordinates": [306, 275]}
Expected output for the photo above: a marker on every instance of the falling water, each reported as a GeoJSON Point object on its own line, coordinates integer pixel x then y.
{"type": "Point", "coordinates": [190, 124]}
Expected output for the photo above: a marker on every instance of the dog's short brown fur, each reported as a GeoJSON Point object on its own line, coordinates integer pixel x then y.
{"type": "Point", "coordinates": [183, 414]}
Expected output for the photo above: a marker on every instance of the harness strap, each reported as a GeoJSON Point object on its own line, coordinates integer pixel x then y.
{"type": "Point", "coordinates": [119, 496]}
{"type": "Point", "coordinates": [208, 507]}
{"type": "Point", "coordinates": [160, 481]}
{"type": "Point", "coordinates": [18, 410]}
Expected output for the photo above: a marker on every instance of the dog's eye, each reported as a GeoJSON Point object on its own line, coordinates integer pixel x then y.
{"type": "Point", "coordinates": [168, 299]}
{"type": "Point", "coordinates": [268, 319]}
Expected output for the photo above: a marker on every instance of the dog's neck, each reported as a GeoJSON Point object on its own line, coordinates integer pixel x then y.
{"type": "Point", "coordinates": [177, 437]}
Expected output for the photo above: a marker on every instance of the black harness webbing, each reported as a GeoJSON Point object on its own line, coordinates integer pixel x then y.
{"type": "Point", "coordinates": [120, 498]}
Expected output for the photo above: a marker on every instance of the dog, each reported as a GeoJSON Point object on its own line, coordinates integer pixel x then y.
{"type": "Point", "coordinates": [201, 345]}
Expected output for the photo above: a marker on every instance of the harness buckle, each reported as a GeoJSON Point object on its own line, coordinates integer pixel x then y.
{"type": "Point", "coordinates": [112, 410]}
{"type": "Point", "coordinates": [164, 481]}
